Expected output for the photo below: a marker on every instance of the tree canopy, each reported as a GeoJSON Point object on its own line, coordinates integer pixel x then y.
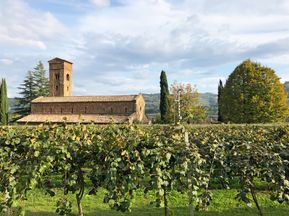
{"type": "Point", "coordinates": [253, 94]}
{"type": "Point", "coordinates": [190, 109]}
{"type": "Point", "coordinates": [34, 85]}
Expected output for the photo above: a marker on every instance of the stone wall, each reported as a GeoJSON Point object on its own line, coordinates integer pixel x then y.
{"type": "Point", "coordinates": [102, 108]}
{"type": "Point", "coordinates": [140, 108]}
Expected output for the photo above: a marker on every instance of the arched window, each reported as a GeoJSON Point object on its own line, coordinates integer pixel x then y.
{"type": "Point", "coordinates": [72, 110]}
{"type": "Point", "coordinates": [67, 88]}
{"type": "Point", "coordinates": [67, 77]}
{"type": "Point", "coordinates": [125, 109]}
{"type": "Point", "coordinates": [56, 88]}
{"type": "Point", "coordinates": [57, 76]}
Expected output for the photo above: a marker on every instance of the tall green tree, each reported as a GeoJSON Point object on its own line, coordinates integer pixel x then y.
{"type": "Point", "coordinates": [28, 93]}
{"type": "Point", "coordinates": [41, 81]}
{"type": "Point", "coordinates": [253, 94]}
{"type": "Point", "coordinates": [3, 103]}
{"type": "Point", "coordinates": [164, 98]}
{"type": "Point", "coordinates": [220, 91]}
{"type": "Point", "coordinates": [35, 84]}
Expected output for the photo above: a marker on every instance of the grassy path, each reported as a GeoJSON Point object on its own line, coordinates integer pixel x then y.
{"type": "Point", "coordinates": [39, 204]}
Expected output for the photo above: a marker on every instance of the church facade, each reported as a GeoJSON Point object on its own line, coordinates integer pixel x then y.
{"type": "Point", "coordinates": [61, 106]}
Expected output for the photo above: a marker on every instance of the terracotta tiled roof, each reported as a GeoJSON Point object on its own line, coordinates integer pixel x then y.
{"type": "Point", "coordinates": [101, 119]}
{"type": "Point", "coordinates": [68, 99]}
{"type": "Point", "coordinates": [59, 59]}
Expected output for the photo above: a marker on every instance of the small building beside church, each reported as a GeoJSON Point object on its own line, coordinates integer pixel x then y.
{"type": "Point", "coordinates": [61, 106]}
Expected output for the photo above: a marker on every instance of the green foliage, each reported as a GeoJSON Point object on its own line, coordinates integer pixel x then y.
{"type": "Point", "coordinates": [190, 108]}
{"type": "Point", "coordinates": [125, 158]}
{"type": "Point", "coordinates": [164, 98]}
{"type": "Point", "coordinates": [3, 103]}
{"type": "Point", "coordinates": [220, 91]}
{"type": "Point", "coordinates": [34, 85]}
{"type": "Point", "coordinates": [41, 81]}
{"type": "Point", "coordinates": [253, 94]}
{"type": "Point", "coordinates": [207, 100]}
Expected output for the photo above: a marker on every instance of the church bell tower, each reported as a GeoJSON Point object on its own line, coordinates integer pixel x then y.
{"type": "Point", "coordinates": [60, 77]}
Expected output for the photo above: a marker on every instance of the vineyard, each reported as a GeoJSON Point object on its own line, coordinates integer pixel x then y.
{"type": "Point", "coordinates": [125, 159]}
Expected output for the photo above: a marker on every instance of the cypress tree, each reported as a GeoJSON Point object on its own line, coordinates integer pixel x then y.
{"type": "Point", "coordinates": [4, 103]}
{"type": "Point", "coordinates": [220, 90]}
{"type": "Point", "coordinates": [164, 98]}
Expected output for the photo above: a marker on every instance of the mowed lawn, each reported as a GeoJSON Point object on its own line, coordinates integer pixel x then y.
{"type": "Point", "coordinates": [224, 203]}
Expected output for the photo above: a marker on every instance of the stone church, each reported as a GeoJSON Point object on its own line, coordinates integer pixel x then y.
{"type": "Point", "coordinates": [61, 106]}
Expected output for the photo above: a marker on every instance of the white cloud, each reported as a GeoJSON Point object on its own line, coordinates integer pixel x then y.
{"type": "Point", "coordinates": [124, 46]}
{"type": "Point", "coordinates": [6, 61]}
{"type": "Point", "coordinates": [100, 3]}
{"type": "Point", "coordinates": [21, 25]}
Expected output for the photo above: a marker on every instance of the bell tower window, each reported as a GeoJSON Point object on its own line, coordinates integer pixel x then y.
{"type": "Point", "coordinates": [67, 77]}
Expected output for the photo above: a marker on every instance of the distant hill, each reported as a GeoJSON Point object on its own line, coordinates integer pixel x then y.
{"type": "Point", "coordinates": [209, 100]}
{"type": "Point", "coordinates": [11, 104]}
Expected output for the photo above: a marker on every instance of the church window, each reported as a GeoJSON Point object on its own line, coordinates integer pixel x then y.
{"type": "Point", "coordinates": [125, 109]}
{"type": "Point", "coordinates": [67, 88]}
{"type": "Point", "coordinates": [57, 76]}
{"type": "Point", "coordinates": [56, 88]}
{"type": "Point", "coordinates": [67, 77]}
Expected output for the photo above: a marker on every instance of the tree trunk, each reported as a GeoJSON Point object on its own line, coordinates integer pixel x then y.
{"type": "Point", "coordinates": [80, 210]}
{"type": "Point", "coordinates": [79, 195]}
{"type": "Point", "coordinates": [190, 194]}
{"type": "Point", "coordinates": [166, 202]}
{"type": "Point", "coordinates": [256, 201]}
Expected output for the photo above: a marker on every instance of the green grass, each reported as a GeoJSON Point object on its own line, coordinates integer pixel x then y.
{"type": "Point", "coordinates": [39, 204]}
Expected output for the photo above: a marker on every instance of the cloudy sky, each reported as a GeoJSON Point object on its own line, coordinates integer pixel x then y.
{"type": "Point", "coordinates": [121, 46]}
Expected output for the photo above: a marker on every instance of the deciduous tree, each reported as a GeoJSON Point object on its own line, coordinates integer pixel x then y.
{"type": "Point", "coordinates": [253, 94]}
{"type": "Point", "coordinates": [190, 108]}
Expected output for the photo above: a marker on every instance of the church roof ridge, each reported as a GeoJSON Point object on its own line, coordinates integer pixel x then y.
{"type": "Point", "coordinates": [67, 99]}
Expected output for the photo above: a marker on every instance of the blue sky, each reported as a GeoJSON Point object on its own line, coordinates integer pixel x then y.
{"type": "Point", "coordinates": [121, 46]}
